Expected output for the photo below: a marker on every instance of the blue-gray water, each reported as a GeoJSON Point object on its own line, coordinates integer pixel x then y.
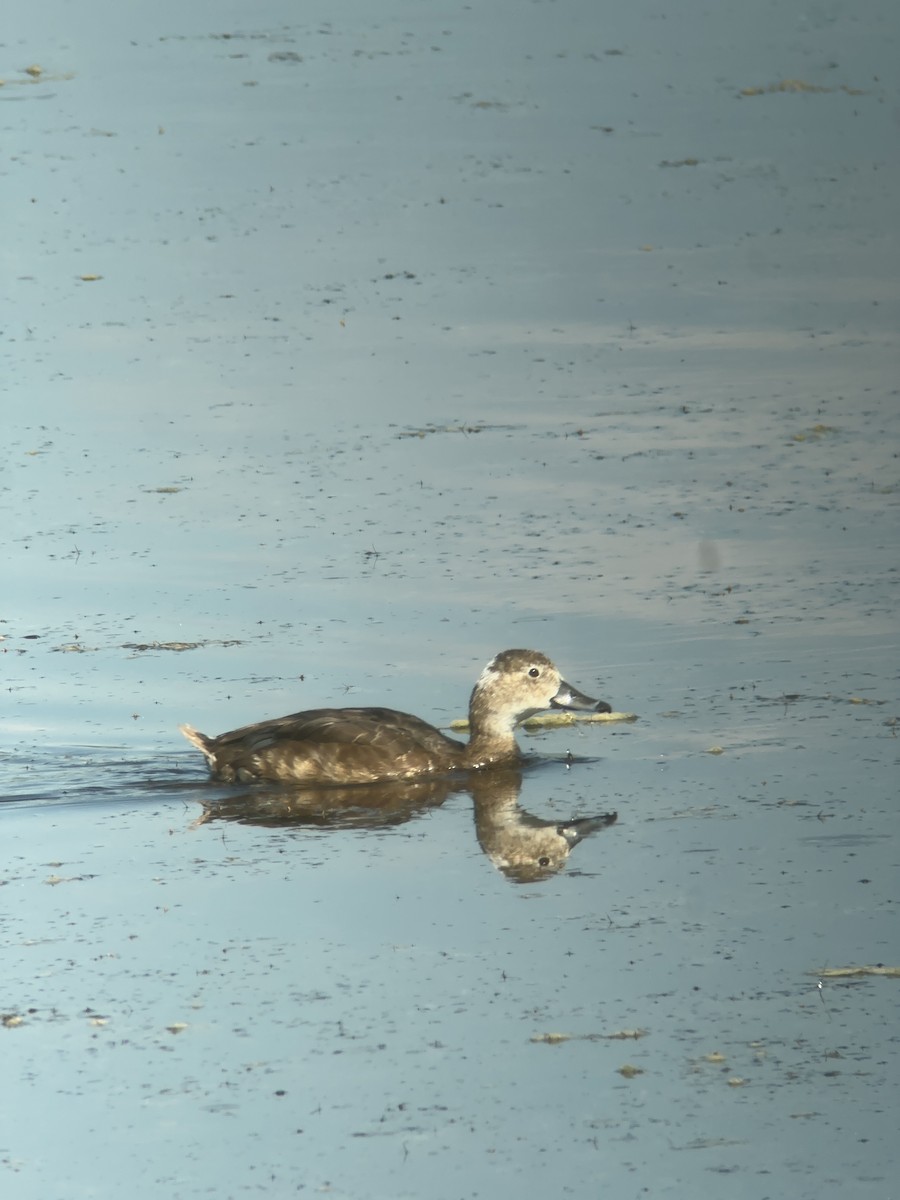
{"type": "Point", "coordinates": [420, 333]}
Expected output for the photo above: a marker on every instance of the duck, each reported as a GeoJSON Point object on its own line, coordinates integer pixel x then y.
{"type": "Point", "coordinates": [346, 746]}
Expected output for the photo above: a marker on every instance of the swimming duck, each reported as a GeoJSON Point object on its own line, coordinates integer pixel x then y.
{"type": "Point", "coordinates": [371, 745]}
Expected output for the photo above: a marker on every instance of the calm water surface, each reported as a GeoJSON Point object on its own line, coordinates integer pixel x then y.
{"type": "Point", "coordinates": [418, 335]}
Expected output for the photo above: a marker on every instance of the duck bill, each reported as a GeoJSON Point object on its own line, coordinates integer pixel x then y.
{"type": "Point", "coordinates": [570, 697]}
{"type": "Point", "coordinates": [575, 831]}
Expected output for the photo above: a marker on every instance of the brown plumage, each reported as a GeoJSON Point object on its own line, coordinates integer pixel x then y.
{"type": "Point", "coordinates": [369, 745]}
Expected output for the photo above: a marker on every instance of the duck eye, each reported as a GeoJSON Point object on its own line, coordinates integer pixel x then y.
{"type": "Point", "coordinates": [534, 672]}
{"type": "Point", "coordinates": [543, 861]}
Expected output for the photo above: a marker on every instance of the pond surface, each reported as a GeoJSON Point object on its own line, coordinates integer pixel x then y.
{"type": "Point", "coordinates": [347, 349]}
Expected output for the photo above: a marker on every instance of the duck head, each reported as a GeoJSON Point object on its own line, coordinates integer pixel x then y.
{"type": "Point", "coordinates": [516, 684]}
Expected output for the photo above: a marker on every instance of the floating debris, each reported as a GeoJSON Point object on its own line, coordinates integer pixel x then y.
{"type": "Point", "coordinates": [815, 434]}
{"type": "Point", "coordinates": [424, 432]}
{"type": "Point", "coordinates": [709, 1143]}
{"type": "Point", "coordinates": [161, 645]}
{"type": "Point", "coordinates": [141, 647]}
{"type": "Point", "coordinates": [793, 697]}
{"type": "Point", "coordinates": [798, 85]}
{"type": "Point", "coordinates": [553, 720]}
{"type": "Point", "coordinates": [479, 427]}
{"type": "Point", "coordinates": [36, 74]}
{"type": "Point", "coordinates": [11, 1020]}
{"type": "Point", "coordinates": [138, 647]}
{"type": "Point", "coordinates": [621, 1035]}
{"type": "Point", "coordinates": [628, 1071]}
{"type": "Point", "coordinates": [856, 972]}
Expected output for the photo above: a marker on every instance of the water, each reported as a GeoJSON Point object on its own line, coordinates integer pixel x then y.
{"type": "Point", "coordinates": [427, 341]}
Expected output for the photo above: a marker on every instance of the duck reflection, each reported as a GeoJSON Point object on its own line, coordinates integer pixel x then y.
{"type": "Point", "coordinates": [524, 847]}
{"type": "Point", "coordinates": [361, 806]}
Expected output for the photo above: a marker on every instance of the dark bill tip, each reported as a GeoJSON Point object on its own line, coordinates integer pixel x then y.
{"type": "Point", "coordinates": [574, 831]}
{"type": "Point", "coordinates": [570, 697]}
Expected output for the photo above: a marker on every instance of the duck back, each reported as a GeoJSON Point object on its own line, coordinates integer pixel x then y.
{"type": "Point", "coordinates": [330, 745]}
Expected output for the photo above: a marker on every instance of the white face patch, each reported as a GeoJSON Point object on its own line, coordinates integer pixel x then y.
{"type": "Point", "coordinates": [489, 674]}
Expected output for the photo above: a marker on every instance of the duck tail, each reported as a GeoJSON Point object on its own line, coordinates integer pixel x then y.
{"type": "Point", "coordinates": [198, 739]}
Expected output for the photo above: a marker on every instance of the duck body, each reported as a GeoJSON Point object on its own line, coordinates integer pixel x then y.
{"type": "Point", "coordinates": [341, 746]}
{"type": "Point", "coordinates": [330, 745]}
